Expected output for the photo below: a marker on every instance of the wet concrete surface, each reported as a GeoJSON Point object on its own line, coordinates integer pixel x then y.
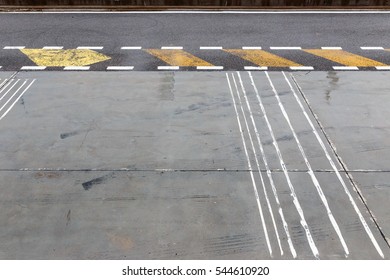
{"type": "Point", "coordinates": [169, 165]}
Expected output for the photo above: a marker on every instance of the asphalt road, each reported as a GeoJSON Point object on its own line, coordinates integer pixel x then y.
{"type": "Point", "coordinates": [113, 31]}
{"type": "Point", "coordinates": [191, 165]}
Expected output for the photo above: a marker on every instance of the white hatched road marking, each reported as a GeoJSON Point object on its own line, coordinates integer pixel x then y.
{"type": "Point", "coordinates": [11, 83]}
{"type": "Point", "coordinates": [346, 190]}
{"type": "Point", "coordinates": [17, 99]}
{"type": "Point", "coordinates": [249, 165]}
{"type": "Point", "coordinates": [283, 165]}
{"type": "Point", "coordinates": [311, 173]}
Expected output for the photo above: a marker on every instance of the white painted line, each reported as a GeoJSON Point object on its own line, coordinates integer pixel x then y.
{"type": "Point", "coordinates": [254, 68]}
{"type": "Point", "coordinates": [209, 67]}
{"type": "Point", "coordinates": [256, 157]}
{"type": "Point", "coordinates": [1, 67]}
{"type": "Point", "coordinates": [285, 48]}
{"type": "Point", "coordinates": [331, 48]}
{"type": "Point", "coordinates": [9, 99]}
{"type": "Point", "coordinates": [33, 68]}
{"type": "Point", "coordinates": [13, 104]}
{"type": "Point", "coordinates": [382, 67]}
{"type": "Point", "coordinates": [120, 67]}
{"type": "Point", "coordinates": [14, 84]}
{"type": "Point", "coordinates": [13, 47]}
{"type": "Point", "coordinates": [76, 68]}
{"type": "Point", "coordinates": [310, 170]}
{"type": "Point", "coordinates": [53, 48]}
{"type": "Point", "coordinates": [345, 68]}
{"type": "Point", "coordinates": [168, 67]}
{"type": "Point", "coordinates": [298, 68]}
{"type": "Point", "coordinates": [210, 48]}
{"type": "Point", "coordinates": [171, 48]}
{"type": "Point", "coordinates": [287, 176]}
{"type": "Point", "coordinates": [346, 190]}
{"type": "Point", "coordinates": [249, 165]}
{"type": "Point", "coordinates": [372, 48]}
{"type": "Point", "coordinates": [89, 48]}
{"type": "Point", "coordinates": [251, 48]}
{"type": "Point", "coordinates": [271, 180]}
{"type": "Point", "coordinates": [131, 48]}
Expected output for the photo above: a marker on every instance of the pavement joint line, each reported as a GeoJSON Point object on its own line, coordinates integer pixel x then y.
{"type": "Point", "coordinates": [331, 48]}
{"type": "Point", "coordinates": [131, 48]}
{"type": "Point", "coordinates": [285, 48]}
{"type": "Point", "coordinates": [120, 67]}
{"type": "Point", "coordinates": [345, 68]}
{"type": "Point", "coordinates": [168, 67]}
{"type": "Point", "coordinates": [382, 67]}
{"type": "Point", "coordinates": [89, 48]}
{"type": "Point", "coordinates": [33, 68]}
{"type": "Point", "coordinates": [301, 68]}
{"type": "Point", "coordinates": [251, 48]}
{"type": "Point", "coordinates": [209, 67]}
{"type": "Point", "coordinates": [261, 68]}
{"type": "Point", "coordinates": [372, 48]}
{"type": "Point", "coordinates": [13, 47]}
{"type": "Point", "coordinates": [76, 68]}
{"type": "Point", "coordinates": [53, 47]}
{"type": "Point", "coordinates": [171, 48]}
{"type": "Point", "coordinates": [210, 48]}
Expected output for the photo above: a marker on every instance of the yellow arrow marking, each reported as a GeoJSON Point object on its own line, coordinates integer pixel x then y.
{"type": "Point", "coordinates": [262, 58]}
{"type": "Point", "coordinates": [345, 58]}
{"type": "Point", "coordinates": [62, 58]}
{"type": "Point", "coordinates": [178, 57]}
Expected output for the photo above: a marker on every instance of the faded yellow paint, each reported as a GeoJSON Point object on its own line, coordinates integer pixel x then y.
{"type": "Point", "coordinates": [345, 58]}
{"type": "Point", "coordinates": [262, 58]}
{"type": "Point", "coordinates": [62, 58]}
{"type": "Point", "coordinates": [178, 57]}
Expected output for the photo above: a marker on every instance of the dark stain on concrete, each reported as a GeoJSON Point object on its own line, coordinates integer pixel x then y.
{"type": "Point", "coordinates": [97, 181]}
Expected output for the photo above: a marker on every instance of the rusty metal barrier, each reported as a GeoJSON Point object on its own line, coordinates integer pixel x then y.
{"type": "Point", "coordinates": [193, 3]}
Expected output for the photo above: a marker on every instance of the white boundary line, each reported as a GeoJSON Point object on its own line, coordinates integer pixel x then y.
{"type": "Point", "coordinates": [298, 68]}
{"type": "Point", "coordinates": [285, 48]}
{"type": "Point", "coordinates": [90, 48]}
{"type": "Point", "coordinates": [33, 68]}
{"type": "Point", "coordinates": [53, 47]}
{"type": "Point", "coordinates": [294, 196]}
{"type": "Point", "coordinates": [254, 68]}
{"type": "Point", "coordinates": [13, 47]}
{"type": "Point", "coordinates": [251, 48]}
{"type": "Point", "coordinates": [345, 68]}
{"type": "Point", "coordinates": [382, 67]}
{"type": "Point", "coordinates": [168, 67]}
{"type": "Point", "coordinates": [209, 67]}
{"type": "Point", "coordinates": [171, 48]}
{"type": "Point", "coordinates": [76, 68]}
{"type": "Point", "coordinates": [210, 48]}
{"type": "Point", "coordinates": [334, 167]}
{"type": "Point", "coordinates": [120, 67]}
{"type": "Point", "coordinates": [372, 48]}
{"type": "Point", "coordinates": [310, 170]}
{"type": "Point", "coordinates": [131, 48]}
{"type": "Point", "coordinates": [331, 48]}
{"type": "Point", "coordinates": [249, 164]}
